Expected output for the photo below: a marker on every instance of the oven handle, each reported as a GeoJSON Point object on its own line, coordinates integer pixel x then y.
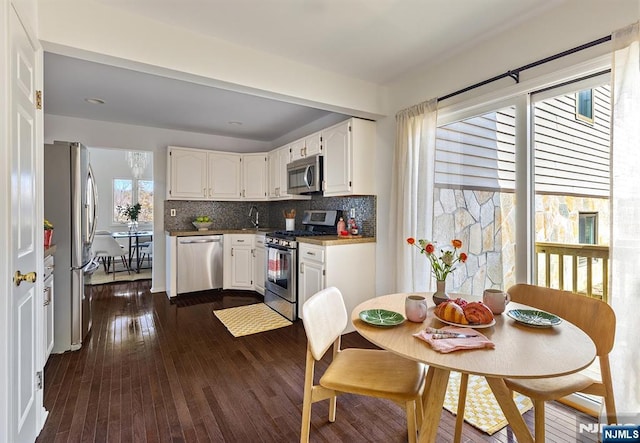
{"type": "Point", "coordinates": [281, 248]}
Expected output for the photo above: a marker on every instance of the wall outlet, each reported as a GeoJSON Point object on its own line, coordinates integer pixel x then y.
{"type": "Point", "coordinates": [173, 213]}
{"type": "Point", "coordinates": [352, 213]}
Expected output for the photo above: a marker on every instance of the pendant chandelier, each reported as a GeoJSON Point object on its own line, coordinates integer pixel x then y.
{"type": "Point", "coordinates": [137, 162]}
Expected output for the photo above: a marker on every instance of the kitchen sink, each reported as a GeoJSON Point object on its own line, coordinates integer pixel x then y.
{"type": "Point", "coordinates": [257, 230]}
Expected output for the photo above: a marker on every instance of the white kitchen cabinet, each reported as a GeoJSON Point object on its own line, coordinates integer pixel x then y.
{"type": "Point", "coordinates": [224, 176]}
{"type": "Point", "coordinates": [48, 306]}
{"type": "Point", "coordinates": [278, 161]}
{"type": "Point", "coordinates": [349, 267]}
{"type": "Point", "coordinates": [254, 176]}
{"type": "Point", "coordinates": [238, 261]}
{"type": "Point", "coordinates": [259, 264]}
{"type": "Point", "coordinates": [187, 173]}
{"type": "Point", "coordinates": [348, 149]}
{"type": "Point", "coordinates": [307, 146]}
{"type": "Point", "coordinates": [311, 272]}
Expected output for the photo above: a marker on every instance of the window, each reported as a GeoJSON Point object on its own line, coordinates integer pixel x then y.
{"type": "Point", "coordinates": [124, 191]}
{"type": "Point", "coordinates": [588, 228]}
{"type": "Point", "coordinates": [584, 105]}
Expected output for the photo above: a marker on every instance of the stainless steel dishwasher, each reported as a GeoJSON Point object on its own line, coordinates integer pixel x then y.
{"type": "Point", "coordinates": [199, 263]}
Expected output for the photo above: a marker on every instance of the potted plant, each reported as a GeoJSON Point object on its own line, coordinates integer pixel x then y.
{"type": "Point", "coordinates": [131, 213]}
{"type": "Point", "coordinates": [48, 233]}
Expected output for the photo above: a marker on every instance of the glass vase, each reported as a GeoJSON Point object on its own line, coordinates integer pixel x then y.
{"type": "Point", "coordinates": [133, 226]}
{"type": "Point", "coordinates": [441, 294]}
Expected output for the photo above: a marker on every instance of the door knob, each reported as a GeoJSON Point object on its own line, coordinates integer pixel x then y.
{"type": "Point", "coordinates": [19, 277]}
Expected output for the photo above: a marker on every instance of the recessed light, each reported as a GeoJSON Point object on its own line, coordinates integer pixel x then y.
{"type": "Point", "coordinates": [94, 101]}
{"type": "Point", "coordinates": [235, 123]}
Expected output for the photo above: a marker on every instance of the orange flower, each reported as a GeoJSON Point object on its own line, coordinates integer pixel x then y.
{"type": "Point", "coordinates": [445, 264]}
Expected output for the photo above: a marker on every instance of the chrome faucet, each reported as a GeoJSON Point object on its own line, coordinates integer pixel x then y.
{"type": "Point", "coordinates": [251, 211]}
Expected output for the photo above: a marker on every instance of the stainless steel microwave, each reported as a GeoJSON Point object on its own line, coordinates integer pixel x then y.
{"type": "Point", "coordinates": [304, 176]}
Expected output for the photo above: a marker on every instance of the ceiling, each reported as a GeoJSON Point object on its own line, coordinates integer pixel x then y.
{"type": "Point", "coordinates": [372, 40]}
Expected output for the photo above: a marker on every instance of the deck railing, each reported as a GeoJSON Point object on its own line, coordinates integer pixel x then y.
{"type": "Point", "coordinates": [588, 276]}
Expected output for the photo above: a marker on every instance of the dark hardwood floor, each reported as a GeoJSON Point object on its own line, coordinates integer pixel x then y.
{"type": "Point", "coordinates": [159, 371]}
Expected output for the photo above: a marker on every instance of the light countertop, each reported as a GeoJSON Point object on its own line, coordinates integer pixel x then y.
{"type": "Point", "coordinates": [321, 240]}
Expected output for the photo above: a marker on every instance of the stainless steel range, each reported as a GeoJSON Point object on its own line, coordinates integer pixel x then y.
{"type": "Point", "coordinates": [281, 286]}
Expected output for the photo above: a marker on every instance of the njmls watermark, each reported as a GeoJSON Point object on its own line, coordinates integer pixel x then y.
{"type": "Point", "coordinates": [627, 430]}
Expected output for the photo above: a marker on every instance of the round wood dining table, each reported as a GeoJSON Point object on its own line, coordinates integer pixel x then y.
{"type": "Point", "coordinates": [520, 352]}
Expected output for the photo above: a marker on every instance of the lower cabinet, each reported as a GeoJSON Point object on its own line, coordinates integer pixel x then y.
{"type": "Point", "coordinates": [259, 264]}
{"type": "Point", "coordinates": [238, 261]}
{"type": "Point", "coordinates": [348, 267]}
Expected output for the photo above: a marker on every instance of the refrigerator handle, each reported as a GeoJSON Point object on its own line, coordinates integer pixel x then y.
{"type": "Point", "coordinates": [92, 210]}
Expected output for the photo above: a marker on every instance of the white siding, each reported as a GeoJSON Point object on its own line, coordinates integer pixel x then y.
{"type": "Point", "coordinates": [571, 156]}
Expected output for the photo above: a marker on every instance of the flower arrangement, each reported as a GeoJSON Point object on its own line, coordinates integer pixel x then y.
{"type": "Point", "coordinates": [443, 265]}
{"type": "Point", "coordinates": [131, 212]}
{"type": "Point", "coordinates": [48, 226]}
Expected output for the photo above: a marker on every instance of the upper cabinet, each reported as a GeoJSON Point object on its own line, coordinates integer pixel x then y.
{"type": "Point", "coordinates": [349, 151]}
{"type": "Point", "coordinates": [196, 174]}
{"type": "Point", "coordinates": [309, 145]}
{"type": "Point", "coordinates": [254, 173]}
{"type": "Point", "coordinates": [224, 176]}
{"type": "Point", "coordinates": [187, 174]}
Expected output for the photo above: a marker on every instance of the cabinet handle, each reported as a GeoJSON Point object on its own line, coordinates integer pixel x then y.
{"type": "Point", "coordinates": [239, 241]}
{"type": "Point", "coordinates": [253, 252]}
{"type": "Point", "coordinates": [311, 253]}
{"type": "Point", "coordinates": [302, 268]}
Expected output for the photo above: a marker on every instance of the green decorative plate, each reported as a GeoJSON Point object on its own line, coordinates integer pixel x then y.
{"type": "Point", "coordinates": [381, 317]}
{"type": "Point", "coordinates": [534, 318]}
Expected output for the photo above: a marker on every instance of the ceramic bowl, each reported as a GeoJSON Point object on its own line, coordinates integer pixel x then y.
{"type": "Point", "coordinates": [202, 226]}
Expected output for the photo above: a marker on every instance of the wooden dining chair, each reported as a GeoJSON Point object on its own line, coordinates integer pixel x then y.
{"type": "Point", "coordinates": [370, 372]}
{"type": "Point", "coordinates": [597, 319]}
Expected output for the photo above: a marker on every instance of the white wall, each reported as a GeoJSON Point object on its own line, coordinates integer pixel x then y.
{"type": "Point", "coordinates": [71, 27]}
{"type": "Point", "coordinates": [99, 134]}
{"type": "Point", "coordinates": [575, 22]}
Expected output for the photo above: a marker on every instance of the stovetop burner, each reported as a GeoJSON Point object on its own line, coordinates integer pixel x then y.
{"type": "Point", "coordinates": [298, 233]}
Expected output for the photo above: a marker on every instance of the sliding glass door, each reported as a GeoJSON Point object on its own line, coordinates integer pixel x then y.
{"type": "Point", "coordinates": [524, 183]}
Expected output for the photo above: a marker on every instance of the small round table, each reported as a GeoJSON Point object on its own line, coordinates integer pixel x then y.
{"type": "Point", "coordinates": [520, 352]}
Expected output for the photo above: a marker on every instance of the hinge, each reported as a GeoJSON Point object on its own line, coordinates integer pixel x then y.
{"type": "Point", "coordinates": [38, 99]}
{"type": "Point", "coordinates": [349, 128]}
{"type": "Point", "coordinates": [324, 272]}
{"type": "Point", "coordinates": [39, 379]}
{"type": "Point", "coordinates": [349, 183]}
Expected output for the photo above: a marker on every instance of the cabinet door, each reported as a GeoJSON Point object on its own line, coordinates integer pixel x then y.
{"type": "Point", "coordinates": [337, 160]}
{"type": "Point", "coordinates": [284, 158]}
{"type": "Point", "coordinates": [254, 176]}
{"type": "Point", "coordinates": [273, 160]}
{"type": "Point", "coordinates": [241, 267]}
{"type": "Point", "coordinates": [313, 144]}
{"type": "Point", "coordinates": [259, 267]}
{"type": "Point", "coordinates": [297, 149]}
{"type": "Point", "coordinates": [187, 174]}
{"type": "Point", "coordinates": [224, 176]}
{"type": "Point", "coordinates": [310, 281]}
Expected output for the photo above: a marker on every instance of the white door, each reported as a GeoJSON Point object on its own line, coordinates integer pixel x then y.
{"type": "Point", "coordinates": [26, 243]}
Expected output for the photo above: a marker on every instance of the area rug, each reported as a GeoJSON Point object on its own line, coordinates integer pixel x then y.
{"type": "Point", "coordinates": [251, 319]}
{"type": "Point", "coordinates": [100, 278]}
{"type": "Point", "coordinates": [481, 408]}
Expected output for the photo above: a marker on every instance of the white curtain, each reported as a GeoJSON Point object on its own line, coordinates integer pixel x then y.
{"type": "Point", "coordinates": [413, 193]}
{"type": "Point", "coordinates": [625, 218]}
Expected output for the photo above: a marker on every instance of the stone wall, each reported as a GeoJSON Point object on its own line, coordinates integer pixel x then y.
{"type": "Point", "coordinates": [485, 222]}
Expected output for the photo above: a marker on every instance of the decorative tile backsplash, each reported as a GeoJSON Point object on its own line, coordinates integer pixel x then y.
{"type": "Point", "coordinates": [235, 215]}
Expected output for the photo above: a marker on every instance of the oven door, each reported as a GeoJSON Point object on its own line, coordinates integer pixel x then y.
{"type": "Point", "coordinates": [282, 270]}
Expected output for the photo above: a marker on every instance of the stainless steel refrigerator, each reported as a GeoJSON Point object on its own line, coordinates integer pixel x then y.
{"type": "Point", "coordinates": [70, 203]}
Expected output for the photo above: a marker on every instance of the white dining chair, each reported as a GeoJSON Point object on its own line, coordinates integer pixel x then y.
{"type": "Point", "coordinates": [106, 249]}
{"type": "Point", "coordinates": [370, 372]}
